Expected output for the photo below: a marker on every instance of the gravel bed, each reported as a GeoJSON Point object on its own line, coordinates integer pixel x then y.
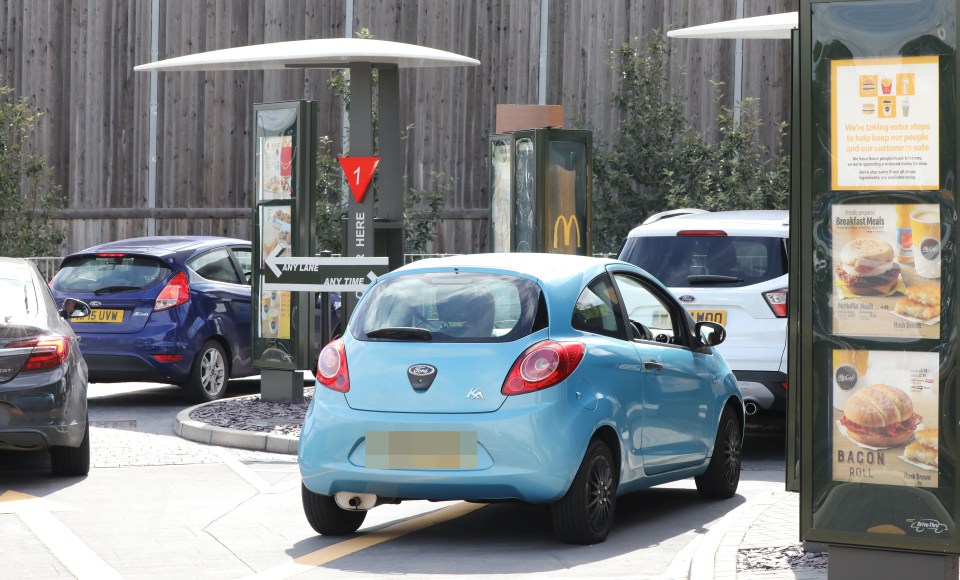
{"type": "Point", "coordinates": [251, 414]}
{"type": "Point", "coordinates": [780, 558]}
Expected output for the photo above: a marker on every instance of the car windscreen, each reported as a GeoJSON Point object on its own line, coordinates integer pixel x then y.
{"type": "Point", "coordinates": [104, 274]}
{"type": "Point", "coordinates": [448, 307]}
{"type": "Point", "coordinates": [724, 261]}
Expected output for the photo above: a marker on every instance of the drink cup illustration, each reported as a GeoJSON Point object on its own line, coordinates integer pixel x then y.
{"type": "Point", "coordinates": [925, 226]}
{"type": "Point", "coordinates": [905, 107]}
{"type": "Point", "coordinates": [849, 369]}
{"type": "Point", "coordinates": [273, 323]}
{"type": "Point", "coordinates": [887, 106]}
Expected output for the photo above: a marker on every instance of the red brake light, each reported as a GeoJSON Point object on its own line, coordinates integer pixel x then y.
{"type": "Point", "coordinates": [784, 385]}
{"type": "Point", "coordinates": [777, 301]}
{"type": "Point", "coordinates": [701, 233]}
{"type": "Point", "coordinates": [111, 255]}
{"type": "Point", "coordinates": [332, 367]}
{"type": "Point", "coordinates": [49, 352]}
{"type": "Point", "coordinates": [175, 293]}
{"type": "Point", "coordinates": [543, 365]}
{"type": "Point", "coordinates": [168, 357]}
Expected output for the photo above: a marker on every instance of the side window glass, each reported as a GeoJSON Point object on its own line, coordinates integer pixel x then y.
{"type": "Point", "coordinates": [651, 318]}
{"type": "Point", "coordinates": [215, 266]}
{"type": "Point", "coordinates": [245, 258]}
{"type": "Point", "coordinates": [598, 310]}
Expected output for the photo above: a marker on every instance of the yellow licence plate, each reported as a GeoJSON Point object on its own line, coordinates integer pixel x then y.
{"type": "Point", "coordinates": [710, 316]}
{"type": "Point", "coordinates": [101, 315]}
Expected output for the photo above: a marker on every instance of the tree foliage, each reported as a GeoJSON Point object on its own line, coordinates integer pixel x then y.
{"type": "Point", "coordinates": [28, 194]}
{"type": "Point", "coordinates": [660, 162]}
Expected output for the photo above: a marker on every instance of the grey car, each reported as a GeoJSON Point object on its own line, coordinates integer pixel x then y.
{"type": "Point", "coordinates": [43, 377]}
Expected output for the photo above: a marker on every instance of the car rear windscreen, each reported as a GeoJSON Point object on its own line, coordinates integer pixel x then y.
{"type": "Point", "coordinates": [453, 307]}
{"type": "Point", "coordinates": [100, 274]}
{"type": "Point", "coordinates": [724, 261]}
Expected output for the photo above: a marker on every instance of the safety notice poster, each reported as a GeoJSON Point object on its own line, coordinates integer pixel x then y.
{"type": "Point", "coordinates": [886, 123]}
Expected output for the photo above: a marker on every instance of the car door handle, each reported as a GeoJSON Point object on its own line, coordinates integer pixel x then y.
{"type": "Point", "coordinates": [652, 365]}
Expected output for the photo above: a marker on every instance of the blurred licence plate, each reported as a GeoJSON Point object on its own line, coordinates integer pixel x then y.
{"type": "Point", "coordinates": [101, 316]}
{"type": "Point", "coordinates": [421, 449]}
{"type": "Point", "coordinates": [710, 316]}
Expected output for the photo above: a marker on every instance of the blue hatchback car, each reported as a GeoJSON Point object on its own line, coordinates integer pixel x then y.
{"type": "Point", "coordinates": [549, 379]}
{"type": "Point", "coordinates": [164, 309]}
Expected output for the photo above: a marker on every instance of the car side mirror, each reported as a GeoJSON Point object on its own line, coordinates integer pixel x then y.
{"type": "Point", "coordinates": [711, 333]}
{"type": "Point", "coordinates": [73, 308]}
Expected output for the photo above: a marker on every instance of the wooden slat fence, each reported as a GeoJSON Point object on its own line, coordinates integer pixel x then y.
{"type": "Point", "coordinates": [74, 59]}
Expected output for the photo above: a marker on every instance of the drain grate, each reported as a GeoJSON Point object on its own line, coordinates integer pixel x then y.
{"type": "Point", "coordinates": [130, 425]}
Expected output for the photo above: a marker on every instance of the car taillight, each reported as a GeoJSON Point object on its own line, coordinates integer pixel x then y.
{"type": "Point", "coordinates": [777, 301]}
{"type": "Point", "coordinates": [543, 365]}
{"type": "Point", "coordinates": [332, 367]}
{"type": "Point", "coordinates": [175, 293]}
{"type": "Point", "coordinates": [49, 352]}
{"type": "Point", "coordinates": [784, 385]}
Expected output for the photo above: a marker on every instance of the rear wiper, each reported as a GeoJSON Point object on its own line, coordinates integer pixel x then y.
{"type": "Point", "coordinates": [711, 279]}
{"type": "Point", "coordinates": [401, 333]}
{"type": "Point", "coordinates": [106, 289]}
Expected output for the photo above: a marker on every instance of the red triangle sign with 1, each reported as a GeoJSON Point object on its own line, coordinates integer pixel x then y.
{"type": "Point", "coordinates": [359, 172]}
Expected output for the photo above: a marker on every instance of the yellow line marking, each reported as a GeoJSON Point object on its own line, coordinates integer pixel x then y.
{"type": "Point", "coordinates": [353, 545]}
{"type": "Point", "coordinates": [75, 555]}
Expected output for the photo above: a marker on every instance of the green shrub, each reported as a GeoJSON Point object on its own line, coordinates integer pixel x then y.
{"type": "Point", "coordinates": [28, 195]}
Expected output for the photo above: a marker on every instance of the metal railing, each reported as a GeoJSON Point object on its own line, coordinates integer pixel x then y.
{"type": "Point", "coordinates": [48, 266]}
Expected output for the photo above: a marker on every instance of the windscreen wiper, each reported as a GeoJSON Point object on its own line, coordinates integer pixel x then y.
{"type": "Point", "coordinates": [401, 333]}
{"type": "Point", "coordinates": [712, 279]}
{"type": "Point", "coordinates": [106, 289]}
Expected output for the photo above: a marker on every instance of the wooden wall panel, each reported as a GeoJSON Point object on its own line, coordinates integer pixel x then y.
{"type": "Point", "coordinates": [74, 59]}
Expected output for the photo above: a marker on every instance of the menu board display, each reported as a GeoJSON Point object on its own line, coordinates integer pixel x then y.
{"type": "Point", "coordinates": [886, 274]}
{"type": "Point", "coordinates": [885, 419]}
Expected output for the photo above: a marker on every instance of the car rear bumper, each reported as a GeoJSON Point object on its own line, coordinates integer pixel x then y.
{"type": "Point", "coordinates": [528, 454]}
{"type": "Point", "coordinates": [765, 388]}
{"type": "Point", "coordinates": [42, 410]}
{"type": "Point", "coordinates": [132, 367]}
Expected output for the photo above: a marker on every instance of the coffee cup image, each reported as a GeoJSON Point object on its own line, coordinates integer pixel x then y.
{"type": "Point", "coordinates": [925, 226]}
{"type": "Point", "coordinates": [886, 105]}
{"type": "Point", "coordinates": [273, 323]}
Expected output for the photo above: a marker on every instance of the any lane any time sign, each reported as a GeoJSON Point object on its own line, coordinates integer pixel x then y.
{"type": "Point", "coordinates": [322, 274]}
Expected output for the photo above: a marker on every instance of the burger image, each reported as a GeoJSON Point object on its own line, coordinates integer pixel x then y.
{"type": "Point", "coordinates": [867, 267]}
{"type": "Point", "coordinates": [880, 416]}
{"type": "Point", "coordinates": [868, 86]}
{"type": "Point", "coordinates": [869, 108]}
{"type": "Point", "coordinates": [926, 448]}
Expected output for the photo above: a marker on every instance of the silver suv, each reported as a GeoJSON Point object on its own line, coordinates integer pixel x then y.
{"type": "Point", "coordinates": [729, 267]}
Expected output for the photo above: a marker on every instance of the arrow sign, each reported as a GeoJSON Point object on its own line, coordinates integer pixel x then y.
{"type": "Point", "coordinates": [359, 172]}
{"type": "Point", "coordinates": [322, 274]}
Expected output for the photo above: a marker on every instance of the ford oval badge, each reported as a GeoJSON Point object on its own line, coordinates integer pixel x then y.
{"type": "Point", "coordinates": [687, 298]}
{"type": "Point", "coordinates": [421, 376]}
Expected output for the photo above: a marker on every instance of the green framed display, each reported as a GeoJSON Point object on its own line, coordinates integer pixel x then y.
{"type": "Point", "coordinates": [876, 278]}
{"type": "Point", "coordinates": [541, 183]}
{"type": "Point", "coordinates": [283, 168]}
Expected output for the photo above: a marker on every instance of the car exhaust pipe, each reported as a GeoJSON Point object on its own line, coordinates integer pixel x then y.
{"type": "Point", "coordinates": [355, 501]}
{"type": "Point", "coordinates": [750, 407]}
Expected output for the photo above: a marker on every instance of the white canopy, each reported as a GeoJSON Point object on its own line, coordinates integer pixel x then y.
{"type": "Point", "coordinates": [314, 53]}
{"type": "Point", "coordinates": [776, 26]}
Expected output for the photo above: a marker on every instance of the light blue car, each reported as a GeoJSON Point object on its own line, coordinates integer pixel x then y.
{"type": "Point", "coordinates": [542, 378]}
